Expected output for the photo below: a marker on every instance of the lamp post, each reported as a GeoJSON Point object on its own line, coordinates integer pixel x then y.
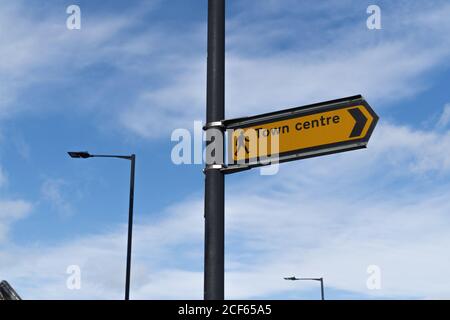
{"type": "Point", "coordinates": [132, 158]}
{"type": "Point", "coordinates": [312, 279]}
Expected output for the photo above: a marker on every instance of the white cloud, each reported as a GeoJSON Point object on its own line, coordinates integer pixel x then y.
{"type": "Point", "coordinates": [347, 61]}
{"type": "Point", "coordinates": [444, 120]}
{"type": "Point", "coordinates": [3, 177]}
{"type": "Point", "coordinates": [427, 149]}
{"type": "Point", "coordinates": [11, 211]}
{"type": "Point", "coordinates": [22, 146]}
{"type": "Point", "coordinates": [331, 216]}
{"type": "Point", "coordinates": [52, 191]}
{"type": "Point", "coordinates": [39, 272]}
{"type": "Point", "coordinates": [336, 216]}
{"type": "Point", "coordinates": [260, 76]}
{"type": "Point", "coordinates": [39, 49]}
{"type": "Point", "coordinates": [159, 111]}
{"type": "Point", "coordinates": [300, 233]}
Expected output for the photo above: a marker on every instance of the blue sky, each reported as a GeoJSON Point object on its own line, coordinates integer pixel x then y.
{"type": "Point", "coordinates": [137, 70]}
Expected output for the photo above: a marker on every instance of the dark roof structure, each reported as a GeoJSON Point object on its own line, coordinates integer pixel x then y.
{"type": "Point", "coordinates": [7, 292]}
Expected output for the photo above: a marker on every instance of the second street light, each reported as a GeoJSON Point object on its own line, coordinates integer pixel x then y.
{"type": "Point", "coordinates": [312, 279]}
{"type": "Point", "coordinates": [132, 158]}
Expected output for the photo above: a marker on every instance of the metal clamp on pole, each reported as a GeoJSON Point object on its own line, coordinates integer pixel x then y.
{"type": "Point", "coordinates": [214, 167]}
{"type": "Point", "coordinates": [215, 124]}
{"type": "Point", "coordinates": [235, 168]}
{"type": "Point", "coordinates": [220, 126]}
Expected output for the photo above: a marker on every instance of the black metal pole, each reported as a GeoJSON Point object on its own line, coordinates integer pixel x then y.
{"type": "Point", "coordinates": [321, 288]}
{"type": "Point", "coordinates": [130, 228]}
{"type": "Point", "coordinates": [214, 178]}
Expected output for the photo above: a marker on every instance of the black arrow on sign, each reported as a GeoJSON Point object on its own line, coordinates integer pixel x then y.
{"type": "Point", "coordinates": [361, 121]}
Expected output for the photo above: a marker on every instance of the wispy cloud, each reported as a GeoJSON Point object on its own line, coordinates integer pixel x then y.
{"type": "Point", "coordinates": [262, 75]}
{"type": "Point", "coordinates": [3, 177]}
{"type": "Point", "coordinates": [52, 191]}
{"type": "Point", "coordinates": [444, 120]}
{"type": "Point", "coordinates": [10, 212]}
{"type": "Point", "coordinates": [39, 49]}
{"type": "Point", "coordinates": [334, 218]}
{"type": "Point", "coordinates": [284, 68]}
{"type": "Point", "coordinates": [41, 274]}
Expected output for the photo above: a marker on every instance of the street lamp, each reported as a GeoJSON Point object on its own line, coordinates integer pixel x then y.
{"type": "Point", "coordinates": [312, 279]}
{"type": "Point", "coordinates": [85, 155]}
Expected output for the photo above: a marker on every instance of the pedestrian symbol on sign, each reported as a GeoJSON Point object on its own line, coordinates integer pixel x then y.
{"type": "Point", "coordinates": [241, 142]}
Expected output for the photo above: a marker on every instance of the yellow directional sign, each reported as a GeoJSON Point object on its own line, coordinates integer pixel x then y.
{"type": "Point", "coordinates": [313, 130]}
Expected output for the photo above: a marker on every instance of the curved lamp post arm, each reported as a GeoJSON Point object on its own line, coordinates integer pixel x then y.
{"type": "Point", "coordinates": [312, 279]}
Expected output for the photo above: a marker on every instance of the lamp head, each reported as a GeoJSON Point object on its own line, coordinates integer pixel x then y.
{"type": "Point", "coordinates": [79, 154]}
